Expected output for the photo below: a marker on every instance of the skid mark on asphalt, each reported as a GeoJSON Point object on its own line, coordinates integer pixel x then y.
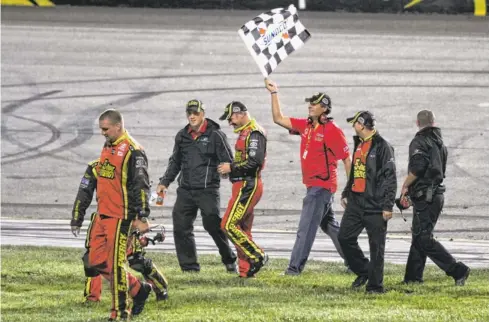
{"type": "Point", "coordinates": [86, 126]}
{"type": "Point", "coordinates": [247, 88]}
{"type": "Point", "coordinates": [179, 52]}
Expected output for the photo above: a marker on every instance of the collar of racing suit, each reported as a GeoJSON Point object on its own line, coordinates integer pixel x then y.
{"type": "Point", "coordinates": [249, 124]}
{"type": "Point", "coordinates": [121, 138]}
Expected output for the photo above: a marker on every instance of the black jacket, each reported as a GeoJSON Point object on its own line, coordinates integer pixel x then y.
{"type": "Point", "coordinates": [196, 160]}
{"type": "Point", "coordinates": [381, 182]}
{"type": "Point", "coordinates": [85, 193]}
{"type": "Point", "coordinates": [427, 161]}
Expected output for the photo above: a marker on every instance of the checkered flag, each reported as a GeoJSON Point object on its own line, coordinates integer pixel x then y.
{"type": "Point", "coordinates": [272, 36]}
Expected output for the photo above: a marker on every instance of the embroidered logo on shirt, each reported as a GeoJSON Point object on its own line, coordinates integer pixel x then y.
{"type": "Point", "coordinates": [107, 170]}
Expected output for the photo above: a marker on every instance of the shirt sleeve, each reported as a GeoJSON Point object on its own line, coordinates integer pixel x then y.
{"type": "Point", "coordinates": [138, 185]}
{"type": "Point", "coordinates": [418, 159]}
{"type": "Point", "coordinates": [298, 125]}
{"type": "Point", "coordinates": [84, 197]}
{"type": "Point", "coordinates": [174, 164]}
{"type": "Point", "coordinates": [223, 149]}
{"type": "Point", "coordinates": [337, 143]}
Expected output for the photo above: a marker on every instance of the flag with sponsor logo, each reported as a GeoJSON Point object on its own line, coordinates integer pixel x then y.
{"type": "Point", "coordinates": [272, 36]}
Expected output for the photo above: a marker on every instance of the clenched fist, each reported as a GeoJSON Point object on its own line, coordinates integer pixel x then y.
{"type": "Point", "coordinates": [271, 86]}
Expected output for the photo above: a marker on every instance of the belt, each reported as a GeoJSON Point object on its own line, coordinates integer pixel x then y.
{"type": "Point", "coordinates": [236, 179]}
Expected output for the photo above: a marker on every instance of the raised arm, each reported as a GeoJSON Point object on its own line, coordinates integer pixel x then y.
{"type": "Point", "coordinates": [277, 115]}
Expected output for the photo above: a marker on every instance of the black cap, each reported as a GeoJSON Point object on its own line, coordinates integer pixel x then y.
{"type": "Point", "coordinates": [195, 106]}
{"type": "Point", "coordinates": [320, 98]}
{"type": "Point", "coordinates": [363, 117]}
{"type": "Point", "coordinates": [233, 107]}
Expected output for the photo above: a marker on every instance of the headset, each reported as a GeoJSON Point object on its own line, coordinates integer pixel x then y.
{"type": "Point", "coordinates": [325, 102]}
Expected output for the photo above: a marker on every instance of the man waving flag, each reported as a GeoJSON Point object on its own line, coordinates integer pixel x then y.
{"type": "Point", "coordinates": [272, 36]}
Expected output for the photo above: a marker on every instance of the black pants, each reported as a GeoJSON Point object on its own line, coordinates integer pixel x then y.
{"type": "Point", "coordinates": [184, 214]}
{"type": "Point", "coordinates": [354, 220]}
{"type": "Point", "coordinates": [425, 216]}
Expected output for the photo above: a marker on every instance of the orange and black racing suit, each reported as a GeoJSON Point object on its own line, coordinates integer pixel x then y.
{"type": "Point", "coordinates": [123, 192]}
{"type": "Point", "coordinates": [135, 252]}
{"type": "Point", "coordinates": [247, 190]}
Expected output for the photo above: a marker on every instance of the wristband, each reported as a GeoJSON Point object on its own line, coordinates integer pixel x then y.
{"type": "Point", "coordinates": [274, 92]}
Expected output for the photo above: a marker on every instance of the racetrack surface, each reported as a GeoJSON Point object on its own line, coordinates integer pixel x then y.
{"type": "Point", "coordinates": [62, 66]}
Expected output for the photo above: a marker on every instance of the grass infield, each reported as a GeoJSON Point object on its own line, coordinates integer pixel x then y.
{"type": "Point", "coordinates": [46, 284]}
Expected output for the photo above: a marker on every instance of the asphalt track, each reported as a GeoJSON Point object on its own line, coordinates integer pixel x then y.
{"type": "Point", "coordinates": [62, 66]}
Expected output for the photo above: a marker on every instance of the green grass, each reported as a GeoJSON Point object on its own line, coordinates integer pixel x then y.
{"type": "Point", "coordinates": [46, 284]}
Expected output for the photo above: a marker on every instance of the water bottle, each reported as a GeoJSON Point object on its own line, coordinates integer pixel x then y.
{"type": "Point", "coordinates": [160, 198]}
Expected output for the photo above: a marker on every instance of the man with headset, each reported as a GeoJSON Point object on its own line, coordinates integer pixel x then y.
{"type": "Point", "coordinates": [323, 144]}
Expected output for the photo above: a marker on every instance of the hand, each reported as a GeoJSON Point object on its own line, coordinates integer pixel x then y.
{"type": "Point", "coordinates": [224, 168]}
{"type": "Point", "coordinates": [75, 230]}
{"type": "Point", "coordinates": [405, 201]}
{"type": "Point", "coordinates": [344, 201]}
{"type": "Point", "coordinates": [160, 188]}
{"type": "Point", "coordinates": [404, 191]}
{"type": "Point", "coordinates": [387, 215]}
{"type": "Point", "coordinates": [270, 85]}
{"type": "Point", "coordinates": [139, 225]}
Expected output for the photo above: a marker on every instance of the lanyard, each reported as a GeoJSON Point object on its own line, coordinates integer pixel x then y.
{"type": "Point", "coordinates": [304, 155]}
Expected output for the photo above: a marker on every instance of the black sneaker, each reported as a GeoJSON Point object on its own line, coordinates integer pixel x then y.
{"type": "Point", "coordinates": [461, 281]}
{"type": "Point", "coordinates": [162, 296]}
{"type": "Point", "coordinates": [377, 291]}
{"type": "Point", "coordinates": [255, 267]}
{"type": "Point", "coordinates": [359, 281]}
{"type": "Point", "coordinates": [231, 268]}
{"type": "Point", "coordinates": [140, 299]}
{"type": "Point", "coordinates": [412, 282]}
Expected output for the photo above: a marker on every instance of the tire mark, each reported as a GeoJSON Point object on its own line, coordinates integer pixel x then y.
{"type": "Point", "coordinates": [86, 126]}
{"type": "Point", "coordinates": [55, 135]}
{"type": "Point", "coordinates": [17, 104]}
{"type": "Point", "coordinates": [243, 88]}
{"type": "Point", "coordinates": [123, 79]}
{"type": "Point", "coordinates": [9, 109]}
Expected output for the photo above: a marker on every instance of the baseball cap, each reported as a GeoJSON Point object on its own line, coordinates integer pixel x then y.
{"type": "Point", "coordinates": [233, 107]}
{"type": "Point", "coordinates": [363, 117]}
{"type": "Point", "coordinates": [195, 106]}
{"type": "Point", "coordinates": [320, 98]}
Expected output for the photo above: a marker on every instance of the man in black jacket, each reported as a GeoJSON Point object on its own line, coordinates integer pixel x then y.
{"type": "Point", "coordinates": [368, 199]}
{"type": "Point", "coordinates": [424, 186]}
{"type": "Point", "coordinates": [199, 148]}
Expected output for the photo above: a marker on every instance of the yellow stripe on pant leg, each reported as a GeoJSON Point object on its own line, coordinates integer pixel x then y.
{"type": "Point", "coordinates": [89, 229]}
{"type": "Point", "coordinates": [153, 276]}
{"type": "Point", "coordinates": [44, 3]}
{"type": "Point", "coordinates": [25, 3]}
{"type": "Point", "coordinates": [247, 206]}
{"type": "Point", "coordinates": [234, 216]}
{"type": "Point", "coordinates": [88, 284]}
{"type": "Point", "coordinates": [115, 276]}
{"type": "Point", "coordinates": [480, 8]}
